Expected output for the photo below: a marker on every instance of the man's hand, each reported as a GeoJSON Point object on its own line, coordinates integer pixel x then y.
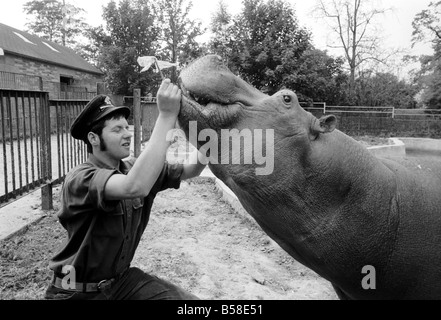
{"type": "Point", "coordinates": [169, 99]}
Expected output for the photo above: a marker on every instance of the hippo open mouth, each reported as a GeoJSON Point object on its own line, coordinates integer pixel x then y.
{"type": "Point", "coordinates": [208, 106]}
{"type": "Point", "coordinates": [212, 95]}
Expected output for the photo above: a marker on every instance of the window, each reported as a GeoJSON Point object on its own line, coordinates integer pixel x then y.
{"type": "Point", "coordinates": [65, 81]}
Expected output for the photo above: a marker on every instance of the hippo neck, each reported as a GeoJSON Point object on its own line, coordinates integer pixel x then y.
{"type": "Point", "coordinates": [312, 212]}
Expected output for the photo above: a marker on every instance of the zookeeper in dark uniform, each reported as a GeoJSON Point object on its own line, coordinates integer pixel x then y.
{"type": "Point", "coordinates": [106, 204]}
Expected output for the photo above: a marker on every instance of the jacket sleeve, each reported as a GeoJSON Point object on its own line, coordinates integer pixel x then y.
{"type": "Point", "coordinates": [170, 177]}
{"type": "Point", "coordinates": [83, 189]}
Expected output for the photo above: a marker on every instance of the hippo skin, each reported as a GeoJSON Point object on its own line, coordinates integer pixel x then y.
{"type": "Point", "coordinates": [329, 203]}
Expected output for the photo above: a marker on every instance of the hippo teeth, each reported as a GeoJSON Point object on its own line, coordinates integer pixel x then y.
{"type": "Point", "coordinates": [198, 99]}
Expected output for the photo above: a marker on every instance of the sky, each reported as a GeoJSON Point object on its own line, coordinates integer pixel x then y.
{"type": "Point", "coordinates": [396, 24]}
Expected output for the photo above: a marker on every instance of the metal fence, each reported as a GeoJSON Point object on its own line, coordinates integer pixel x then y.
{"type": "Point", "coordinates": [37, 150]}
{"type": "Point", "coordinates": [62, 91]}
{"type": "Point", "coordinates": [382, 121]}
{"type": "Point", "coordinates": [15, 81]}
{"type": "Point", "coordinates": [56, 90]}
{"type": "Point", "coordinates": [36, 147]}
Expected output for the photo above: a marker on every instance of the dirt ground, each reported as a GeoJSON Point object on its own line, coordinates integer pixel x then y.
{"type": "Point", "coordinates": [194, 239]}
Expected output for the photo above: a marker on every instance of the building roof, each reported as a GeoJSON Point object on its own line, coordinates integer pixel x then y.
{"type": "Point", "coordinates": [14, 41]}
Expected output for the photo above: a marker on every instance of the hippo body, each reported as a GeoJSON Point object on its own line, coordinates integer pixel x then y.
{"type": "Point", "coordinates": [329, 203]}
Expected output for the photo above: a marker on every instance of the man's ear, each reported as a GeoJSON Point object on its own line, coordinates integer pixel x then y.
{"type": "Point", "coordinates": [93, 138]}
{"type": "Point", "coordinates": [325, 124]}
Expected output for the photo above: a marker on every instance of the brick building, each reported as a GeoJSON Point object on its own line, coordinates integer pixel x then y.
{"type": "Point", "coordinates": [59, 69]}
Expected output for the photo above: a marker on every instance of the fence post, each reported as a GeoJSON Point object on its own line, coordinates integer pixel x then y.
{"type": "Point", "coordinates": [137, 120]}
{"type": "Point", "coordinates": [45, 153]}
{"type": "Point", "coordinates": [100, 88]}
{"type": "Point", "coordinates": [40, 83]}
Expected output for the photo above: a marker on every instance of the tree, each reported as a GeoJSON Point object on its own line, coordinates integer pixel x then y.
{"type": "Point", "coordinates": [131, 32]}
{"type": "Point", "coordinates": [221, 24]}
{"type": "Point", "coordinates": [55, 21]}
{"type": "Point", "coordinates": [178, 32]}
{"type": "Point", "coordinates": [98, 39]}
{"type": "Point", "coordinates": [320, 78]}
{"type": "Point", "coordinates": [427, 27]}
{"type": "Point", "coordinates": [353, 22]}
{"type": "Point", "coordinates": [266, 44]}
{"type": "Point", "coordinates": [426, 24]}
{"type": "Point", "coordinates": [384, 89]}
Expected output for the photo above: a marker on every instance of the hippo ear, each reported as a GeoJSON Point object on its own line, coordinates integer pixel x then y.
{"type": "Point", "coordinates": [323, 125]}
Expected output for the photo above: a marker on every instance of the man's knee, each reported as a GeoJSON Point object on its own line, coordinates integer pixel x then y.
{"type": "Point", "coordinates": [154, 288]}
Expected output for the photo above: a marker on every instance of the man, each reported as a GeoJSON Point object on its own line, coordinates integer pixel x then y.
{"type": "Point", "coordinates": [106, 204]}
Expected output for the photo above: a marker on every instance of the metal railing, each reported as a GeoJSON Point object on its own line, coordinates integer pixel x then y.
{"type": "Point", "coordinates": [57, 90]}
{"type": "Point", "coordinates": [15, 81]}
{"type": "Point", "coordinates": [37, 150]}
{"type": "Point", "coordinates": [20, 142]}
{"type": "Point", "coordinates": [392, 112]}
{"type": "Point", "coordinates": [361, 120]}
{"type": "Point", "coordinates": [62, 91]}
{"type": "Point", "coordinates": [36, 147]}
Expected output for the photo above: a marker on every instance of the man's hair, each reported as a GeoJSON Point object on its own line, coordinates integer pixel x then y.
{"type": "Point", "coordinates": [98, 127]}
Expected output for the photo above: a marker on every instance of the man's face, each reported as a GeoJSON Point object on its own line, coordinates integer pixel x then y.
{"type": "Point", "coordinates": [115, 139]}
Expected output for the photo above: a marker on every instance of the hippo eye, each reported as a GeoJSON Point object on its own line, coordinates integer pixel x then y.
{"type": "Point", "coordinates": [287, 99]}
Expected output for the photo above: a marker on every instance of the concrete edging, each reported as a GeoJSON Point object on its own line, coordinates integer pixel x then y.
{"type": "Point", "coordinates": [396, 148]}
{"type": "Point", "coordinates": [17, 216]}
{"type": "Point", "coordinates": [231, 198]}
{"type": "Point", "coordinates": [402, 146]}
{"type": "Point", "coordinates": [422, 145]}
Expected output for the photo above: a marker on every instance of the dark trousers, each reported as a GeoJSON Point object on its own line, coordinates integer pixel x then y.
{"type": "Point", "coordinates": [133, 285]}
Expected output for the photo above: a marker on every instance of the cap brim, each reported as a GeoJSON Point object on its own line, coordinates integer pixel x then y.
{"type": "Point", "coordinates": [83, 123]}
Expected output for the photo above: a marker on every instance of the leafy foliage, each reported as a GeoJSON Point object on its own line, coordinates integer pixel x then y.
{"type": "Point", "coordinates": [130, 33]}
{"type": "Point", "coordinates": [268, 43]}
{"type": "Point", "coordinates": [385, 89]}
{"type": "Point", "coordinates": [142, 28]}
{"type": "Point", "coordinates": [320, 77]}
{"type": "Point", "coordinates": [221, 29]}
{"type": "Point", "coordinates": [264, 44]}
{"type": "Point", "coordinates": [427, 26]}
{"type": "Point", "coordinates": [54, 21]}
{"type": "Point", "coordinates": [268, 48]}
{"type": "Point", "coordinates": [179, 32]}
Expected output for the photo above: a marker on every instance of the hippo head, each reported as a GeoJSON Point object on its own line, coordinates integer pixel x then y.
{"type": "Point", "coordinates": [215, 99]}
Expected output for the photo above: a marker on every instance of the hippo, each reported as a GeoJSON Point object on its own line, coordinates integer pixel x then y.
{"type": "Point", "coordinates": [370, 226]}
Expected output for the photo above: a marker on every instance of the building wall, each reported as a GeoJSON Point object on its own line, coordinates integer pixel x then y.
{"type": "Point", "coordinates": [48, 72]}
